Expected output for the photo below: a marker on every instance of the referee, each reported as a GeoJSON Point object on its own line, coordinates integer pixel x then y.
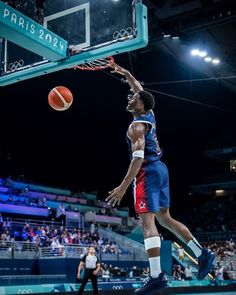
{"type": "Point", "coordinates": [91, 265]}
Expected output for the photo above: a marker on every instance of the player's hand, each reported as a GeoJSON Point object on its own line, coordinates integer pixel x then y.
{"type": "Point", "coordinates": [78, 276]}
{"type": "Point", "coordinates": [118, 69]}
{"type": "Point", "coordinates": [95, 272]}
{"type": "Point", "coordinates": [115, 196]}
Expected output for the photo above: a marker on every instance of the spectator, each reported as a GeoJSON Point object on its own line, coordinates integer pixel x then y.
{"type": "Point", "coordinates": [178, 273]}
{"type": "Point", "coordinates": [56, 247]}
{"type": "Point", "coordinates": [219, 274]}
{"type": "Point", "coordinates": [146, 272]}
{"type": "Point", "coordinates": [188, 273]}
{"type": "Point", "coordinates": [92, 228]}
{"type": "Point", "coordinates": [181, 253]}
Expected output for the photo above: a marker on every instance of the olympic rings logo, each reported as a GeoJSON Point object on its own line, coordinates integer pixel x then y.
{"type": "Point", "coordinates": [24, 291]}
{"type": "Point", "coordinates": [122, 33]}
{"type": "Point", "coordinates": [16, 65]}
{"type": "Point", "coordinates": [118, 287]}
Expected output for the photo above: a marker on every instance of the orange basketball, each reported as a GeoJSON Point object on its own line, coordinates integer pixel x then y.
{"type": "Point", "coordinates": [60, 98]}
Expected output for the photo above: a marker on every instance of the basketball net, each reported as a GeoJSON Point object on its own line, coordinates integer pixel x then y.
{"type": "Point", "coordinates": [97, 64]}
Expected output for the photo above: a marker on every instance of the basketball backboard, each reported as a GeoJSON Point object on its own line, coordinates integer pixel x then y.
{"type": "Point", "coordinates": [91, 29]}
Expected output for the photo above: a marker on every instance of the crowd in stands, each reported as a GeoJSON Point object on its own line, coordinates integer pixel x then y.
{"type": "Point", "coordinates": [225, 268]}
{"type": "Point", "coordinates": [223, 249]}
{"type": "Point", "coordinates": [79, 202]}
{"type": "Point", "coordinates": [211, 219]}
{"type": "Point", "coordinates": [47, 236]}
{"type": "Point", "coordinates": [24, 197]}
{"type": "Point", "coordinates": [208, 216]}
{"type": "Point", "coordinates": [226, 256]}
{"type": "Point", "coordinates": [21, 200]}
{"type": "Point", "coordinates": [57, 206]}
{"type": "Point", "coordinates": [219, 273]}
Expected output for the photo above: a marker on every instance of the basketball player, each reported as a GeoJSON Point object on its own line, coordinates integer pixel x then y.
{"type": "Point", "coordinates": [151, 187]}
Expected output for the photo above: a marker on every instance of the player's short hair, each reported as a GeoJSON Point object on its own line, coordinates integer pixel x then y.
{"type": "Point", "coordinates": [148, 100]}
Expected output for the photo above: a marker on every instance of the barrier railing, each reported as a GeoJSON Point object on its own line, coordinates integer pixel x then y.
{"type": "Point", "coordinates": [29, 250]}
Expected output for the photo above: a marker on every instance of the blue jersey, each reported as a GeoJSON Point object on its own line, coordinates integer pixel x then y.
{"type": "Point", "coordinates": [151, 184]}
{"type": "Point", "coordinates": [152, 150]}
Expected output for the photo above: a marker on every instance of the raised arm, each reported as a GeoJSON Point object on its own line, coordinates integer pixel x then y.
{"type": "Point", "coordinates": [134, 84]}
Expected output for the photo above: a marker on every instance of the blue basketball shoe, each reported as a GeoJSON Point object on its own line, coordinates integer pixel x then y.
{"type": "Point", "coordinates": [152, 284]}
{"type": "Point", "coordinates": [205, 263]}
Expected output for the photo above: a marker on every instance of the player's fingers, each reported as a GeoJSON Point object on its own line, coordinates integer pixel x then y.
{"type": "Point", "coordinates": [113, 203]}
{"type": "Point", "coordinates": [120, 198]}
{"type": "Point", "coordinates": [110, 196]}
{"type": "Point", "coordinates": [117, 200]}
{"type": "Point", "coordinates": [109, 200]}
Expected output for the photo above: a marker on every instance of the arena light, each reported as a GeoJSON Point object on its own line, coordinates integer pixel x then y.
{"type": "Point", "coordinates": [220, 192]}
{"type": "Point", "coordinates": [215, 61]}
{"type": "Point", "coordinates": [208, 59]}
{"type": "Point", "coordinates": [195, 52]}
{"type": "Point", "coordinates": [202, 53]}
{"type": "Point", "coordinates": [198, 52]}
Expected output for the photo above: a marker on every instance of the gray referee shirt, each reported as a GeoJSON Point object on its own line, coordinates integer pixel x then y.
{"type": "Point", "coordinates": [90, 261]}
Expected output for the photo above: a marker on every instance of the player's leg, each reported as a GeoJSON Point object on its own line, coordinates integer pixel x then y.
{"type": "Point", "coordinates": [177, 228]}
{"type": "Point", "coordinates": [205, 256]}
{"type": "Point", "coordinates": [152, 244]}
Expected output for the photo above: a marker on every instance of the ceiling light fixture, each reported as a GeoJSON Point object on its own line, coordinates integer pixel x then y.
{"type": "Point", "coordinates": [202, 53]}
{"type": "Point", "coordinates": [215, 61]}
{"type": "Point", "coordinates": [194, 52]}
{"type": "Point", "coordinates": [208, 59]}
